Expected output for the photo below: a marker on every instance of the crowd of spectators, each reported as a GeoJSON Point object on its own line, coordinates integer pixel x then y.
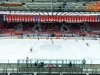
{"type": "Point", "coordinates": [45, 27]}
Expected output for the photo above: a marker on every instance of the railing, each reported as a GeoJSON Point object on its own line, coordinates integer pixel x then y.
{"type": "Point", "coordinates": [35, 37]}
{"type": "Point", "coordinates": [57, 70]}
{"type": "Point", "coordinates": [55, 62]}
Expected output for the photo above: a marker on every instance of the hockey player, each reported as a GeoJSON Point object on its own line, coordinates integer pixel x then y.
{"type": "Point", "coordinates": [83, 39]}
{"type": "Point", "coordinates": [47, 38]}
{"type": "Point", "coordinates": [31, 49]}
{"type": "Point", "coordinates": [87, 44]}
{"type": "Point", "coordinates": [38, 38]}
{"type": "Point", "coordinates": [51, 38]}
{"type": "Point", "coordinates": [76, 40]}
{"type": "Point", "coordinates": [27, 58]}
{"type": "Point", "coordinates": [52, 42]}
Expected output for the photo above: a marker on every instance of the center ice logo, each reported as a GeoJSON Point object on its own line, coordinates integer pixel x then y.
{"type": "Point", "coordinates": [93, 7]}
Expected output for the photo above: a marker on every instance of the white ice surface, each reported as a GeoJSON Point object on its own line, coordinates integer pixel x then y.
{"type": "Point", "coordinates": [13, 49]}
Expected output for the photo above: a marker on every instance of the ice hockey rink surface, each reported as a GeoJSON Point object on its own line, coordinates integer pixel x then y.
{"type": "Point", "coordinates": [13, 49]}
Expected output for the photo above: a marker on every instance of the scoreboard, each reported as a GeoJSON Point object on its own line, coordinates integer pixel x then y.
{"type": "Point", "coordinates": [50, 18]}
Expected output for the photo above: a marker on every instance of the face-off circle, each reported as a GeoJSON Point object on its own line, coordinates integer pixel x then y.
{"type": "Point", "coordinates": [51, 47]}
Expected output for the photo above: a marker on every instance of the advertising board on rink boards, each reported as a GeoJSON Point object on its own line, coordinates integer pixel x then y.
{"type": "Point", "coordinates": [21, 73]}
{"type": "Point", "coordinates": [3, 73]}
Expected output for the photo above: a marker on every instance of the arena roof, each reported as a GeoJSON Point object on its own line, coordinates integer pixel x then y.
{"type": "Point", "coordinates": [46, 5]}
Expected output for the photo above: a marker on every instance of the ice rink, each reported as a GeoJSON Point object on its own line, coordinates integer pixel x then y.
{"type": "Point", "coordinates": [13, 49]}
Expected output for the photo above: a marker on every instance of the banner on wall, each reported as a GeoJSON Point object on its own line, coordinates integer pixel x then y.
{"type": "Point", "coordinates": [39, 18]}
{"type": "Point", "coordinates": [43, 18]}
{"type": "Point", "coordinates": [98, 18]}
{"type": "Point", "coordinates": [9, 18]}
{"type": "Point", "coordinates": [90, 18]}
{"type": "Point", "coordinates": [4, 17]}
{"type": "Point", "coordinates": [23, 18]}
{"type": "Point", "coordinates": [29, 18]}
{"type": "Point", "coordinates": [46, 19]}
{"type": "Point", "coordinates": [36, 18]}
{"type": "Point", "coordinates": [17, 18]}
{"type": "Point", "coordinates": [33, 18]}
{"type": "Point", "coordinates": [12, 18]}
{"type": "Point", "coordinates": [20, 18]}
{"type": "Point", "coordinates": [49, 18]}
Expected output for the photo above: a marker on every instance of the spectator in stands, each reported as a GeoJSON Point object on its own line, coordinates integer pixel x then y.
{"type": "Point", "coordinates": [35, 64]}
{"type": "Point", "coordinates": [70, 64]}
{"type": "Point", "coordinates": [84, 61]}
{"type": "Point", "coordinates": [27, 61]}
